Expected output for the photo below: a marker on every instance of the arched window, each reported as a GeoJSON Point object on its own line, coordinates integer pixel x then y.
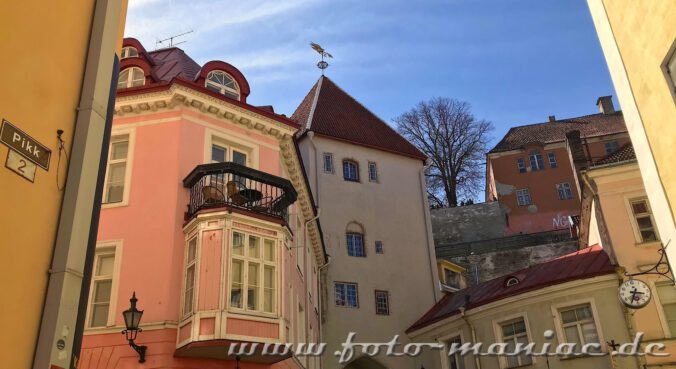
{"type": "Point", "coordinates": [129, 52]}
{"type": "Point", "coordinates": [131, 77]}
{"type": "Point", "coordinates": [354, 238]}
{"type": "Point", "coordinates": [222, 83]}
{"type": "Point", "coordinates": [350, 170]}
{"type": "Point", "coordinates": [511, 281]}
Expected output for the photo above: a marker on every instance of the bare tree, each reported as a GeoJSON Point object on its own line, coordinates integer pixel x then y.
{"type": "Point", "coordinates": [455, 141]}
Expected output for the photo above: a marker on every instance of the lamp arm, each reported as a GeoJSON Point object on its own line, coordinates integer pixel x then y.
{"type": "Point", "coordinates": [141, 350]}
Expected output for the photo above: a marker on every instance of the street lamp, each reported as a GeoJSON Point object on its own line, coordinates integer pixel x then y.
{"type": "Point", "coordinates": [132, 318]}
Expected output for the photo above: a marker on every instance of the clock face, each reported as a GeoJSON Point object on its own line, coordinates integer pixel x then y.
{"type": "Point", "coordinates": [635, 294]}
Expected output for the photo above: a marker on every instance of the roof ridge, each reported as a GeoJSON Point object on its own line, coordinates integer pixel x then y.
{"type": "Point", "coordinates": [308, 124]}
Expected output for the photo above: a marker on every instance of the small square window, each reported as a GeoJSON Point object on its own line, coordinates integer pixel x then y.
{"type": "Point", "coordinates": [379, 247]}
{"type": "Point", "coordinates": [328, 162]}
{"type": "Point", "coordinates": [382, 303]}
{"type": "Point", "coordinates": [373, 172]}
{"type": "Point", "coordinates": [643, 220]}
{"type": "Point", "coordinates": [552, 160]}
{"type": "Point", "coordinates": [611, 146]}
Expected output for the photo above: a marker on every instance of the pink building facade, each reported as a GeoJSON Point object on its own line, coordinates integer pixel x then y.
{"type": "Point", "coordinates": [207, 217]}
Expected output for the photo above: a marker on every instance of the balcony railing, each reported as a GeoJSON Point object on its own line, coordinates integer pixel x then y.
{"type": "Point", "coordinates": [233, 185]}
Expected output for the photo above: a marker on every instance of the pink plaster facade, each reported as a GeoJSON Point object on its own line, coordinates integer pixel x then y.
{"type": "Point", "coordinates": [150, 233]}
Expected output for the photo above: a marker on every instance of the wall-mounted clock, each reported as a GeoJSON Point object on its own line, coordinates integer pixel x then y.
{"type": "Point", "coordinates": [635, 293]}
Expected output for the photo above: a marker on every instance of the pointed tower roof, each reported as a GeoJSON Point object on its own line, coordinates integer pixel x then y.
{"type": "Point", "coordinates": [329, 111]}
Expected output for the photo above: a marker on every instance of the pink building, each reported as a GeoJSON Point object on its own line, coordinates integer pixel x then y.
{"type": "Point", "coordinates": [207, 216]}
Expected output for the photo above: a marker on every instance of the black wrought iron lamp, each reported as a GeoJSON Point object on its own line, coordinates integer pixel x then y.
{"type": "Point", "coordinates": [132, 319]}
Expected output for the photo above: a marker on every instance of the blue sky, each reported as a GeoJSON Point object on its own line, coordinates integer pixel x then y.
{"type": "Point", "coordinates": [515, 61]}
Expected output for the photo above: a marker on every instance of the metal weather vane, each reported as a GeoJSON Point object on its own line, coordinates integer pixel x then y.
{"type": "Point", "coordinates": [320, 50]}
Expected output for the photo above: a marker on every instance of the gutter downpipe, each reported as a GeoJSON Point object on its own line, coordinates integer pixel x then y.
{"type": "Point", "coordinates": [320, 299]}
{"type": "Point", "coordinates": [428, 231]}
{"type": "Point", "coordinates": [471, 328]}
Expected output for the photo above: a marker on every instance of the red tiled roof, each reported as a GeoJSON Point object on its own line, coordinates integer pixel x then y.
{"type": "Point", "coordinates": [624, 153]}
{"type": "Point", "coordinates": [586, 263]}
{"type": "Point", "coordinates": [329, 111]}
{"type": "Point", "coordinates": [544, 133]}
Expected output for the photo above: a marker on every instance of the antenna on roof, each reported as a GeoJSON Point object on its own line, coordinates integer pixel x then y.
{"type": "Point", "coordinates": [320, 50]}
{"type": "Point", "coordinates": [161, 44]}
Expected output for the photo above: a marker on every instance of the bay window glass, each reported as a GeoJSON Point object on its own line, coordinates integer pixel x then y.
{"type": "Point", "coordinates": [253, 269]}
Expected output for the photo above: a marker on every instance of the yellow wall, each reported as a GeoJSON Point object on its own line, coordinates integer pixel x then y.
{"type": "Point", "coordinates": [644, 32]}
{"type": "Point", "coordinates": [44, 49]}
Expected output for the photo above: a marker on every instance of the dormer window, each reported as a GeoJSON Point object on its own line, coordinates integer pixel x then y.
{"type": "Point", "coordinates": [222, 83]}
{"type": "Point", "coordinates": [511, 281]}
{"type": "Point", "coordinates": [129, 52]}
{"type": "Point", "coordinates": [131, 77]}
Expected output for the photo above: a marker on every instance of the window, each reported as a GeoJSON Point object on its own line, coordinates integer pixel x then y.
{"type": "Point", "coordinates": [355, 244]}
{"type": "Point", "coordinates": [346, 294]}
{"type": "Point", "coordinates": [379, 247]}
{"type": "Point", "coordinates": [523, 197]}
{"type": "Point", "coordinates": [129, 52]}
{"type": "Point", "coordinates": [249, 267]}
{"type": "Point", "coordinates": [102, 287]}
{"type": "Point", "coordinates": [451, 278]}
{"type": "Point", "coordinates": [189, 285]}
{"type": "Point", "coordinates": [222, 153]}
{"type": "Point", "coordinates": [552, 160]}
{"type": "Point", "coordinates": [300, 246]}
{"type": "Point", "coordinates": [222, 83]}
{"type": "Point", "coordinates": [455, 361]}
{"type": "Point", "coordinates": [643, 220]}
{"type": "Point", "coordinates": [514, 332]}
{"type": "Point", "coordinates": [611, 146]}
{"type": "Point", "coordinates": [667, 295]}
{"type": "Point", "coordinates": [117, 169]}
{"type": "Point", "coordinates": [382, 303]}
{"type": "Point", "coordinates": [373, 172]}
{"type": "Point", "coordinates": [328, 162]}
{"type": "Point", "coordinates": [521, 165]}
{"type": "Point", "coordinates": [511, 281]}
{"type": "Point", "coordinates": [131, 77]}
{"type": "Point", "coordinates": [350, 171]}
{"type": "Point", "coordinates": [578, 325]}
{"type": "Point", "coordinates": [564, 191]}
{"type": "Point", "coordinates": [536, 162]}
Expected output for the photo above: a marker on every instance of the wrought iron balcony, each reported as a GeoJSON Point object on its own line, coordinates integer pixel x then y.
{"type": "Point", "coordinates": [228, 184]}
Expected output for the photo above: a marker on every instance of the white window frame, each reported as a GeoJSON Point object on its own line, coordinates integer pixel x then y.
{"type": "Point", "coordinates": [445, 359]}
{"type": "Point", "coordinates": [565, 189]}
{"type": "Point", "coordinates": [558, 322]}
{"type": "Point", "coordinates": [497, 331]}
{"type": "Point", "coordinates": [262, 263]}
{"type": "Point", "coordinates": [521, 165]}
{"type": "Point", "coordinates": [131, 137]}
{"type": "Point", "coordinates": [113, 247]}
{"type": "Point", "coordinates": [533, 157]}
{"type": "Point", "coordinates": [356, 170]}
{"type": "Point", "coordinates": [553, 163]}
{"type": "Point", "coordinates": [615, 145]}
{"type": "Point", "coordinates": [363, 247]}
{"type": "Point", "coordinates": [222, 88]}
{"type": "Point", "coordinates": [328, 156]}
{"type": "Point", "coordinates": [126, 51]}
{"type": "Point", "coordinates": [130, 78]}
{"type": "Point", "coordinates": [520, 194]}
{"type": "Point", "coordinates": [660, 306]}
{"type": "Point", "coordinates": [356, 291]}
{"type": "Point", "coordinates": [373, 171]}
{"type": "Point", "coordinates": [232, 140]}
{"type": "Point", "coordinates": [638, 238]}
{"type": "Point", "coordinates": [186, 265]}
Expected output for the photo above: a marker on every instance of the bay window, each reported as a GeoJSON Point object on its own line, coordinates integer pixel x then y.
{"type": "Point", "coordinates": [253, 273]}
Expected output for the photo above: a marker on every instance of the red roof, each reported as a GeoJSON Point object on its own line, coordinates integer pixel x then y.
{"type": "Point", "coordinates": [593, 125]}
{"type": "Point", "coordinates": [329, 111]}
{"type": "Point", "coordinates": [586, 263]}
{"type": "Point", "coordinates": [624, 153]}
{"type": "Point", "coordinates": [173, 62]}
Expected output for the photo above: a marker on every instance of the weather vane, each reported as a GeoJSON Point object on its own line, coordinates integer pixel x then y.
{"type": "Point", "coordinates": [322, 64]}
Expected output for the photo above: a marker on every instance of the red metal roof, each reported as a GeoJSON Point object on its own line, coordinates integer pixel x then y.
{"type": "Point", "coordinates": [586, 263]}
{"type": "Point", "coordinates": [589, 126]}
{"type": "Point", "coordinates": [329, 111]}
{"type": "Point", "coordinates": [173, 62]}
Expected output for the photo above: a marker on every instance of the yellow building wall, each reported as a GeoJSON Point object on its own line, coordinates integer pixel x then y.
{"type": "Point", "coordinates": [645, 32]}
{"type": "Point", "coordinates": [44, 49]}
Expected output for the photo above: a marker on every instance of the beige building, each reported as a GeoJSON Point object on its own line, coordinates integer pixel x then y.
{"type": "Point", "coordinates": [569, 299]}
{"type": "Point", "coordinates": [617, 214]}
{"type": "Point", "coordinates": [368, 183]}
{"type": "Point", "coordinates": [639, 42]}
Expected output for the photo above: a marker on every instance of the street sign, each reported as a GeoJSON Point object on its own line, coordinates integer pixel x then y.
{"type": "Point", "coordinates": [20, 165]}
{"type": "Point", "coordinates": [22, 143]}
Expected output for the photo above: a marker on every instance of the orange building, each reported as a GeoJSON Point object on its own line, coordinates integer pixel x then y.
{"type": "Point", "coordinates": [207, 217]}
{"type": "Point", "coordinates": [529, 171]}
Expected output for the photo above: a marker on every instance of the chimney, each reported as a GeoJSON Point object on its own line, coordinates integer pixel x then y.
{"type": "Point", "coordinates": [605, 104]}
{"type": "Point", "coordinates": [576, 155]}
{"type": "Point", "coordinates": [552, 118]}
